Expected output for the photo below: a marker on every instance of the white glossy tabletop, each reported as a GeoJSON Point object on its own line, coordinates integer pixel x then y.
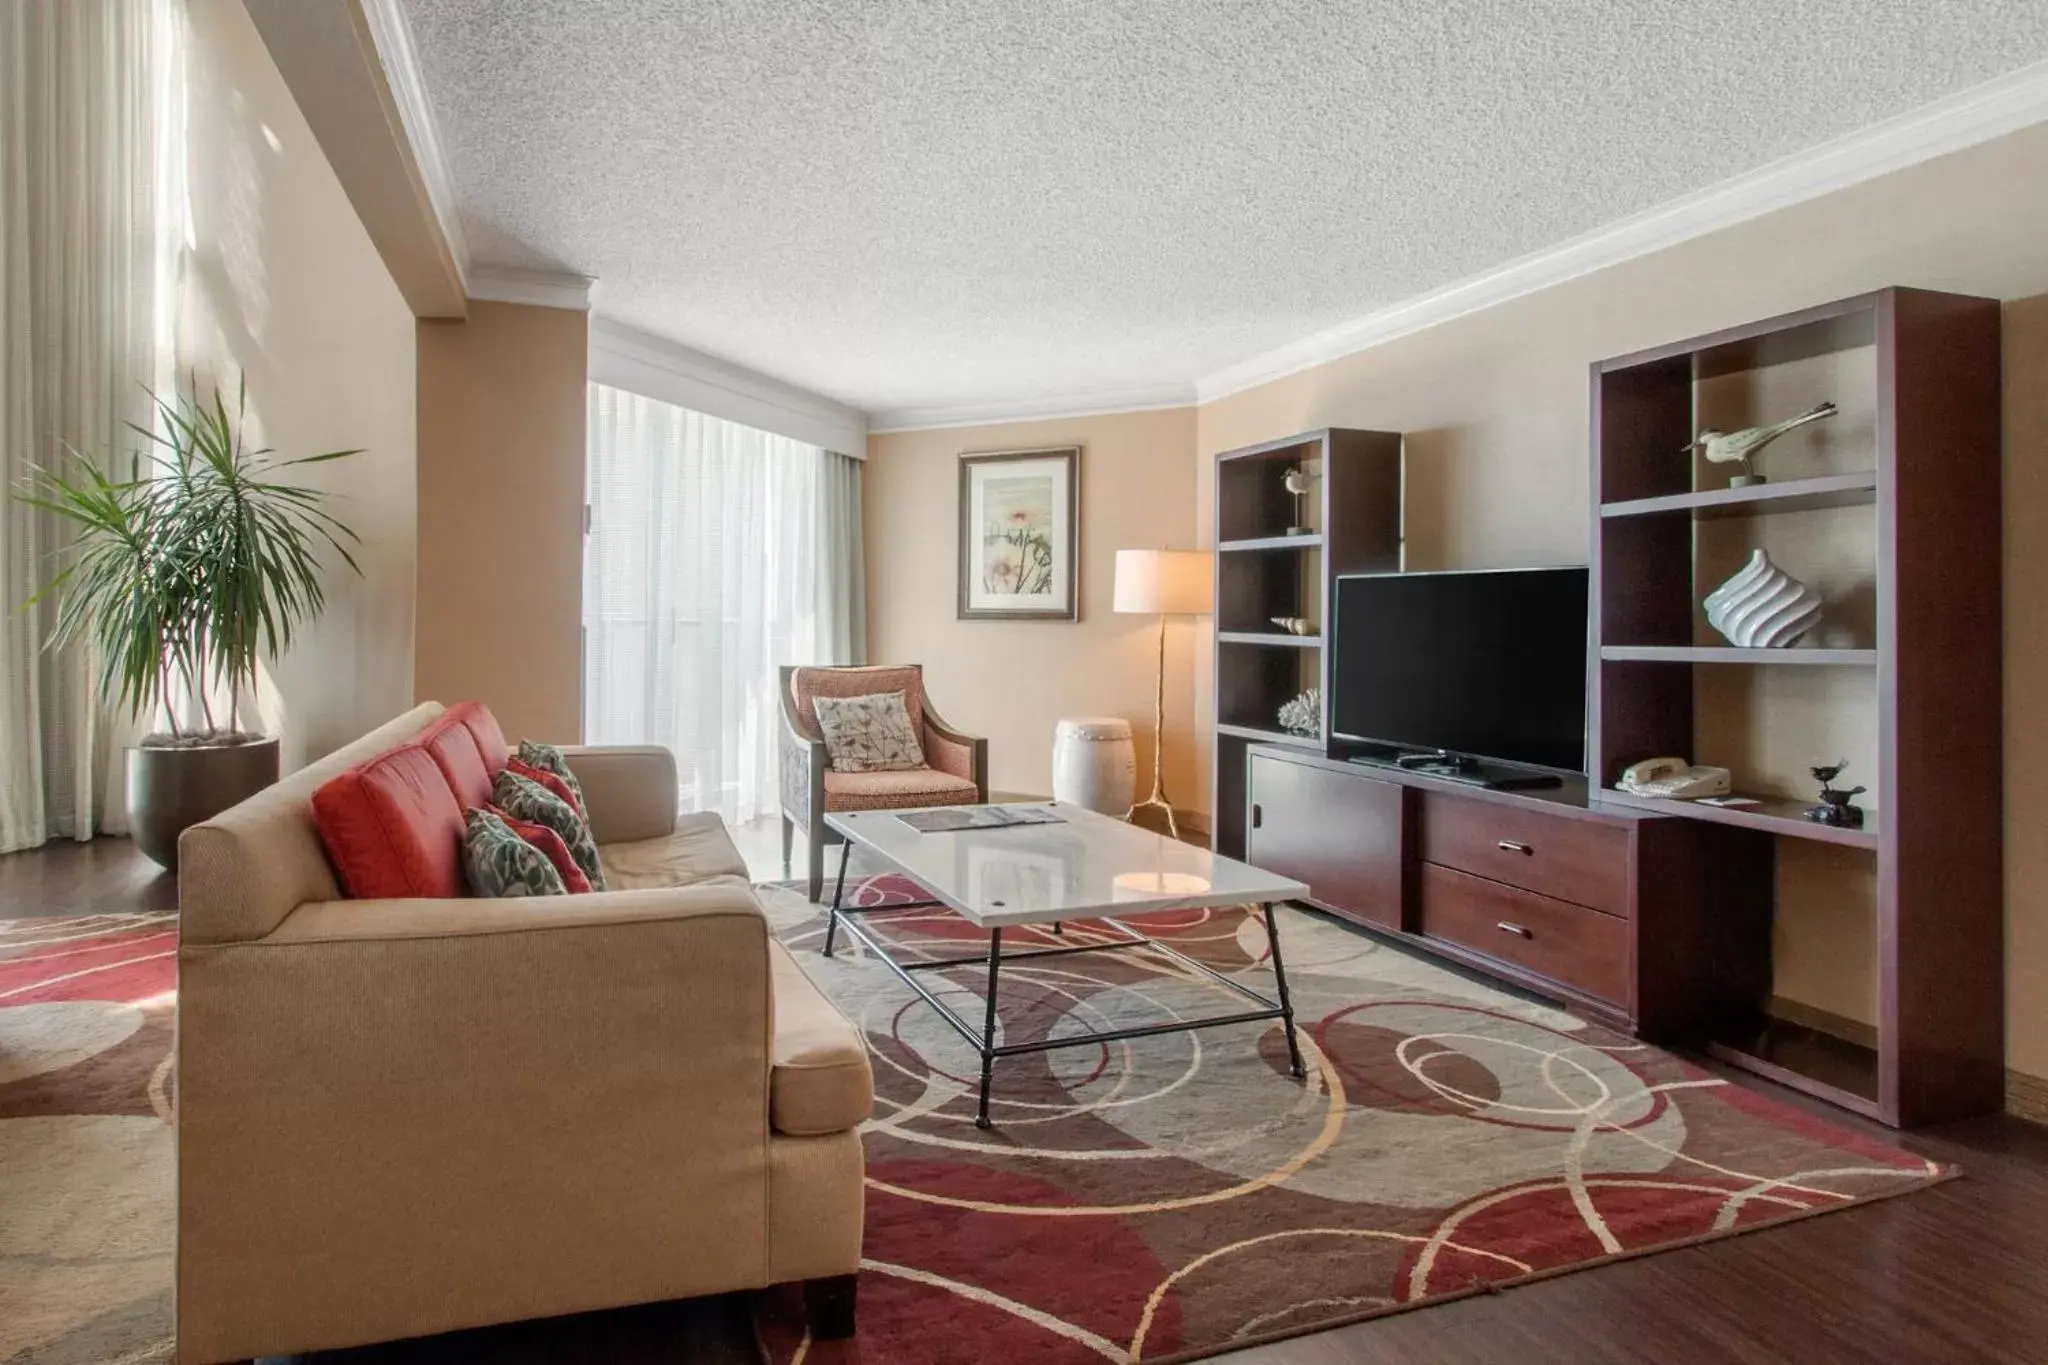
{"type": "Point", "coordinates": [1087, 866]}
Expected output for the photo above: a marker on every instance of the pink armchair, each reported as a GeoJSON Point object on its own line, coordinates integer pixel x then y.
{"type": "Point", "coordinates": [957, 774]}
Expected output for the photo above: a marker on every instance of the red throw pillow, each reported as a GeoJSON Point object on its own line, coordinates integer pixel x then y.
{"type": "Point", "coordinates": [550, 843]}
{"type": "Point", "coordinates": [392, 827]}
{"type": "Point", "coordinates": [551, 781]}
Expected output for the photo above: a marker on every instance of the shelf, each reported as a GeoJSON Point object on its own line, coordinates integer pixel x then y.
{"type": "Point", "coordinates": [1253, 732]}
{"type": "Point", "coordinates": [1774, 815]}
{"type": "Point", "coordinates": [1308, 542]}
{"type": "Point", "coordinates": [1716, 654]}
{"type": "Point", "coordinates": [1809, 1061]}
{"type": "Point", "coordinates": [1794, 495]}
{"type": "Point", "coordinates": [1269, 637]}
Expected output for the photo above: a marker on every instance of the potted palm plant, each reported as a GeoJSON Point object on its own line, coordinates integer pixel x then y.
{"type": "Point", "coordinates": [181, 578]}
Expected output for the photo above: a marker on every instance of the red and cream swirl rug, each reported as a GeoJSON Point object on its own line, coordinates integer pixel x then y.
{"type": "Point", "coordinates": [1167, 1198]}
{"type": "Point", "coordinates": [1179, 1196]}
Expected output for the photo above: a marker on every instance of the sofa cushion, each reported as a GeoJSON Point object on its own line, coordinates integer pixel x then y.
{"type": "Point", "coordinates": [548, 759]}
{"type": "Point", "coordinates": [820, 1081]}
{"type": "Point", "coordinates": [453, 748]}
{"type": "Point", "coordinates": [483, 727]}
{"type": "Point", "coordinates": [392, 827]}
{"type": "Point", "coordinates": [549, 843]}
{"type": "Point", "coordinates": [525, 799]}
{"type": "Point", "coordinates": [698, 850]}
{"type": "Point", "coordinates": [897, 791]}
{"type": "Point", "coordinates": [496, 861]}
{"type": "Point", "coordinates": [552, 781]}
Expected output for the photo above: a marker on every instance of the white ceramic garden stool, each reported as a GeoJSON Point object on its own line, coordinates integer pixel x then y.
{"type": "Point", "coordinates": [1094, 764]}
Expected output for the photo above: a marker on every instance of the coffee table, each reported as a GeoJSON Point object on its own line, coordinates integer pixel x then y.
{"type": "Point", "coordinates": [1087, 867]}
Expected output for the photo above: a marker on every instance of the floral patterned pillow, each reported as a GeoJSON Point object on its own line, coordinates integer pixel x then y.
{"type": "Point", "coordinates": [524, 799]}
{"type": "Point", "coordinates": [550, 843]}
{"type": "Point", "coordinates": [497, 862]}
{"type": "Point", "coordinates": [870, 734]}
{"type": "Point", "coordinates": [548, 759]}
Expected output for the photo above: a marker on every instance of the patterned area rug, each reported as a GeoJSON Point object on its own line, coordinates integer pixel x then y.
{"type": "Point", "coordinates": [1178, 1196]}
{"type": "Point", "coordinates": [86, 1142]}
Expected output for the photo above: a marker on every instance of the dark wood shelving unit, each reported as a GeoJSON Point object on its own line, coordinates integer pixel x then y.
{"type": "Point", "coordinates": [1936, 809]}
{"type": "Point", "coordinates": [1352, 521]}
{"type": "Point", "coordinates": [1718, 654]}
{"type": "Point", "coordinates": [1794, 495]}
{"type": "Point", "coordinates": [1772, 814]}
{"type": "Point", "coordinates": [1274, 639]}
{"type": "Point", "coordinates": [1281, 542]}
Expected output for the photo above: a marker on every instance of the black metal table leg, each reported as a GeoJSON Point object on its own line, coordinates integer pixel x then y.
{"type": "Point", "coordinates": [838, 892]}
{"type": "Point", "coordinates": [1280, 982]}
{"type": "Point", "coordinates": [988, 1026]}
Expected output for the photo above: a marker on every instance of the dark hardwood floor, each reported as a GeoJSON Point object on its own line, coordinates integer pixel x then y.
{"type": "Point", "coordinates": [1958, 1273]}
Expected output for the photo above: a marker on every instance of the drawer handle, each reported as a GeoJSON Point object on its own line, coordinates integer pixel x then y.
{"type": "Point", "coordinates": [1515, 846]}
{"type": "Point", "coordinates": [1510, 927]}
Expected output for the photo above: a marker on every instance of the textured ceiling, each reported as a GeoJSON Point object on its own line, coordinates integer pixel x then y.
{"type": "Point", "coordinates": [902, 203]}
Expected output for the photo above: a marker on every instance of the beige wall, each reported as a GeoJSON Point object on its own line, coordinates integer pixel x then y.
{"type": "Point", "coordinates": [282, 285]}
{"type": "Point", "coordinates": [1012, 681]}
{"type": "Point", "coordinates": [502, 402]}
{"type": "Point", "coordinates": [1495, 408]}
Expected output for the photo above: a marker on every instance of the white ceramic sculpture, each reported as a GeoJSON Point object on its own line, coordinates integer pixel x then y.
{"type": "Point", "coordinates": [1762, 606]}
{"type": "Point", "coordinates": [1741, 447]}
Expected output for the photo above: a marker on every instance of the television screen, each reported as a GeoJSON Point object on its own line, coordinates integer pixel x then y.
{"type": "Point", "coordinates": [1488, 663]}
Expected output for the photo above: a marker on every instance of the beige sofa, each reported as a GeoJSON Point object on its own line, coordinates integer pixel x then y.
{"type": "Point", "coordinates": [403, 1117]}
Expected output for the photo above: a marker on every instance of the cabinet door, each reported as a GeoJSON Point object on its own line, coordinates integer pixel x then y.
{"type": "Point", "coordinates": [1343, 833]}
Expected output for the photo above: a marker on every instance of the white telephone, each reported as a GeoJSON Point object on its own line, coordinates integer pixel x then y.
{"type": "Point", "coordinates": [1674, 778]}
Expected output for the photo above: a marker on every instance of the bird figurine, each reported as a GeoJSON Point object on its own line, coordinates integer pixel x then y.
{"type": "Point", "coordinates": [1296, 481]}
{"type": "Point", "coordinates": [1834, 807]}
{"type": "Point", "coordinates": [1740, 447]}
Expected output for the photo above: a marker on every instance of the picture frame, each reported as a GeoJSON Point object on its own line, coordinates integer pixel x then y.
{"type": "Point", "coordinates": [1020, 535]}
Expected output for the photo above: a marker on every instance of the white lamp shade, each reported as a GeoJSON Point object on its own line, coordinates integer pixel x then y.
{"type": "Point", "coordinates": [1165, 582]}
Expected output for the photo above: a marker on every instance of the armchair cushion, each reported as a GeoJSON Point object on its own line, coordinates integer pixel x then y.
{"type": "Point", "coordinates": [820, 1081]}
{"type": "Point", "coordinates": [869, 734]}
{"type": "Point", "coordinates": [392, 827]}
{"type": "Point", "coordinates": [806, 685]}
{"type": "Point", "coordinates": [897, 790]}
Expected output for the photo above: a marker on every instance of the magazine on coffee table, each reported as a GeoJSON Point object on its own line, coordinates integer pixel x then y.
{"type": "Point", "coordinates": [952, 819]}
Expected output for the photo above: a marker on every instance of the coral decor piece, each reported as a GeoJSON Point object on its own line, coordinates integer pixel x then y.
{"type": "Point", "coordinates": [1180, 1196]}
{"type": "Point", "coordinates": [1762, 606]}
{"type": "Point", "coordinates": [1304, 715]}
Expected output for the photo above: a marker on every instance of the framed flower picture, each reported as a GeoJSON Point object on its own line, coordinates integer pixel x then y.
{"type": "Point", "coordinates": [1020, 513]}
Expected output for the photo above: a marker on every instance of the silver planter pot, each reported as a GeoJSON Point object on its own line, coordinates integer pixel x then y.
{"type": "Point", "coordinates": [172, 789]}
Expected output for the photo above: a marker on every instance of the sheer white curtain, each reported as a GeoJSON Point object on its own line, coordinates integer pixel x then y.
{"type": "Point", "coordinates": [89, 191]}
{"type": "Point", "coordinates": [717, 552]}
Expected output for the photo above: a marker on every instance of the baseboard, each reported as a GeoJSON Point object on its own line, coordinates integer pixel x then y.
{"type": "Point", "coordinates": [2026, 1097]}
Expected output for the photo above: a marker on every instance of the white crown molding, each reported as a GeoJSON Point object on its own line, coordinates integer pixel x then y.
{"type": "Point", "coordinates": [391, 34]}
{"type": "Point", "coordinates": [1103, 404]}
{"type": "Point", "coordinates": [626, 358]}
{"type": "Point", "coordinates": [540, 288]}
{"type": "Point", "coordinates": [1998, 107]}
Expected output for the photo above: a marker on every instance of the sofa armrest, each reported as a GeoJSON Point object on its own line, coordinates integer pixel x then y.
{"type": "Point", "coordinates": [386, 1108]}
{"type": "Point", "coordinates": [630, 789]}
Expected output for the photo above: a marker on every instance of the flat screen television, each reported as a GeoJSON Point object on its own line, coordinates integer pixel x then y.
{"type": "Point", "coordinates": [1489, 664]}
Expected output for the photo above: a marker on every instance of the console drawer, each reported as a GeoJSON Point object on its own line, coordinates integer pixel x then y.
{"type": "Point", "coordinates": [1581, 861]}
{"type": "Point", "coordinates": [1564, 942]}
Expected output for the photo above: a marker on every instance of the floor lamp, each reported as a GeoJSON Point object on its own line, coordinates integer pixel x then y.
{"type": "Point", "coordinates": [1163, 583]}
